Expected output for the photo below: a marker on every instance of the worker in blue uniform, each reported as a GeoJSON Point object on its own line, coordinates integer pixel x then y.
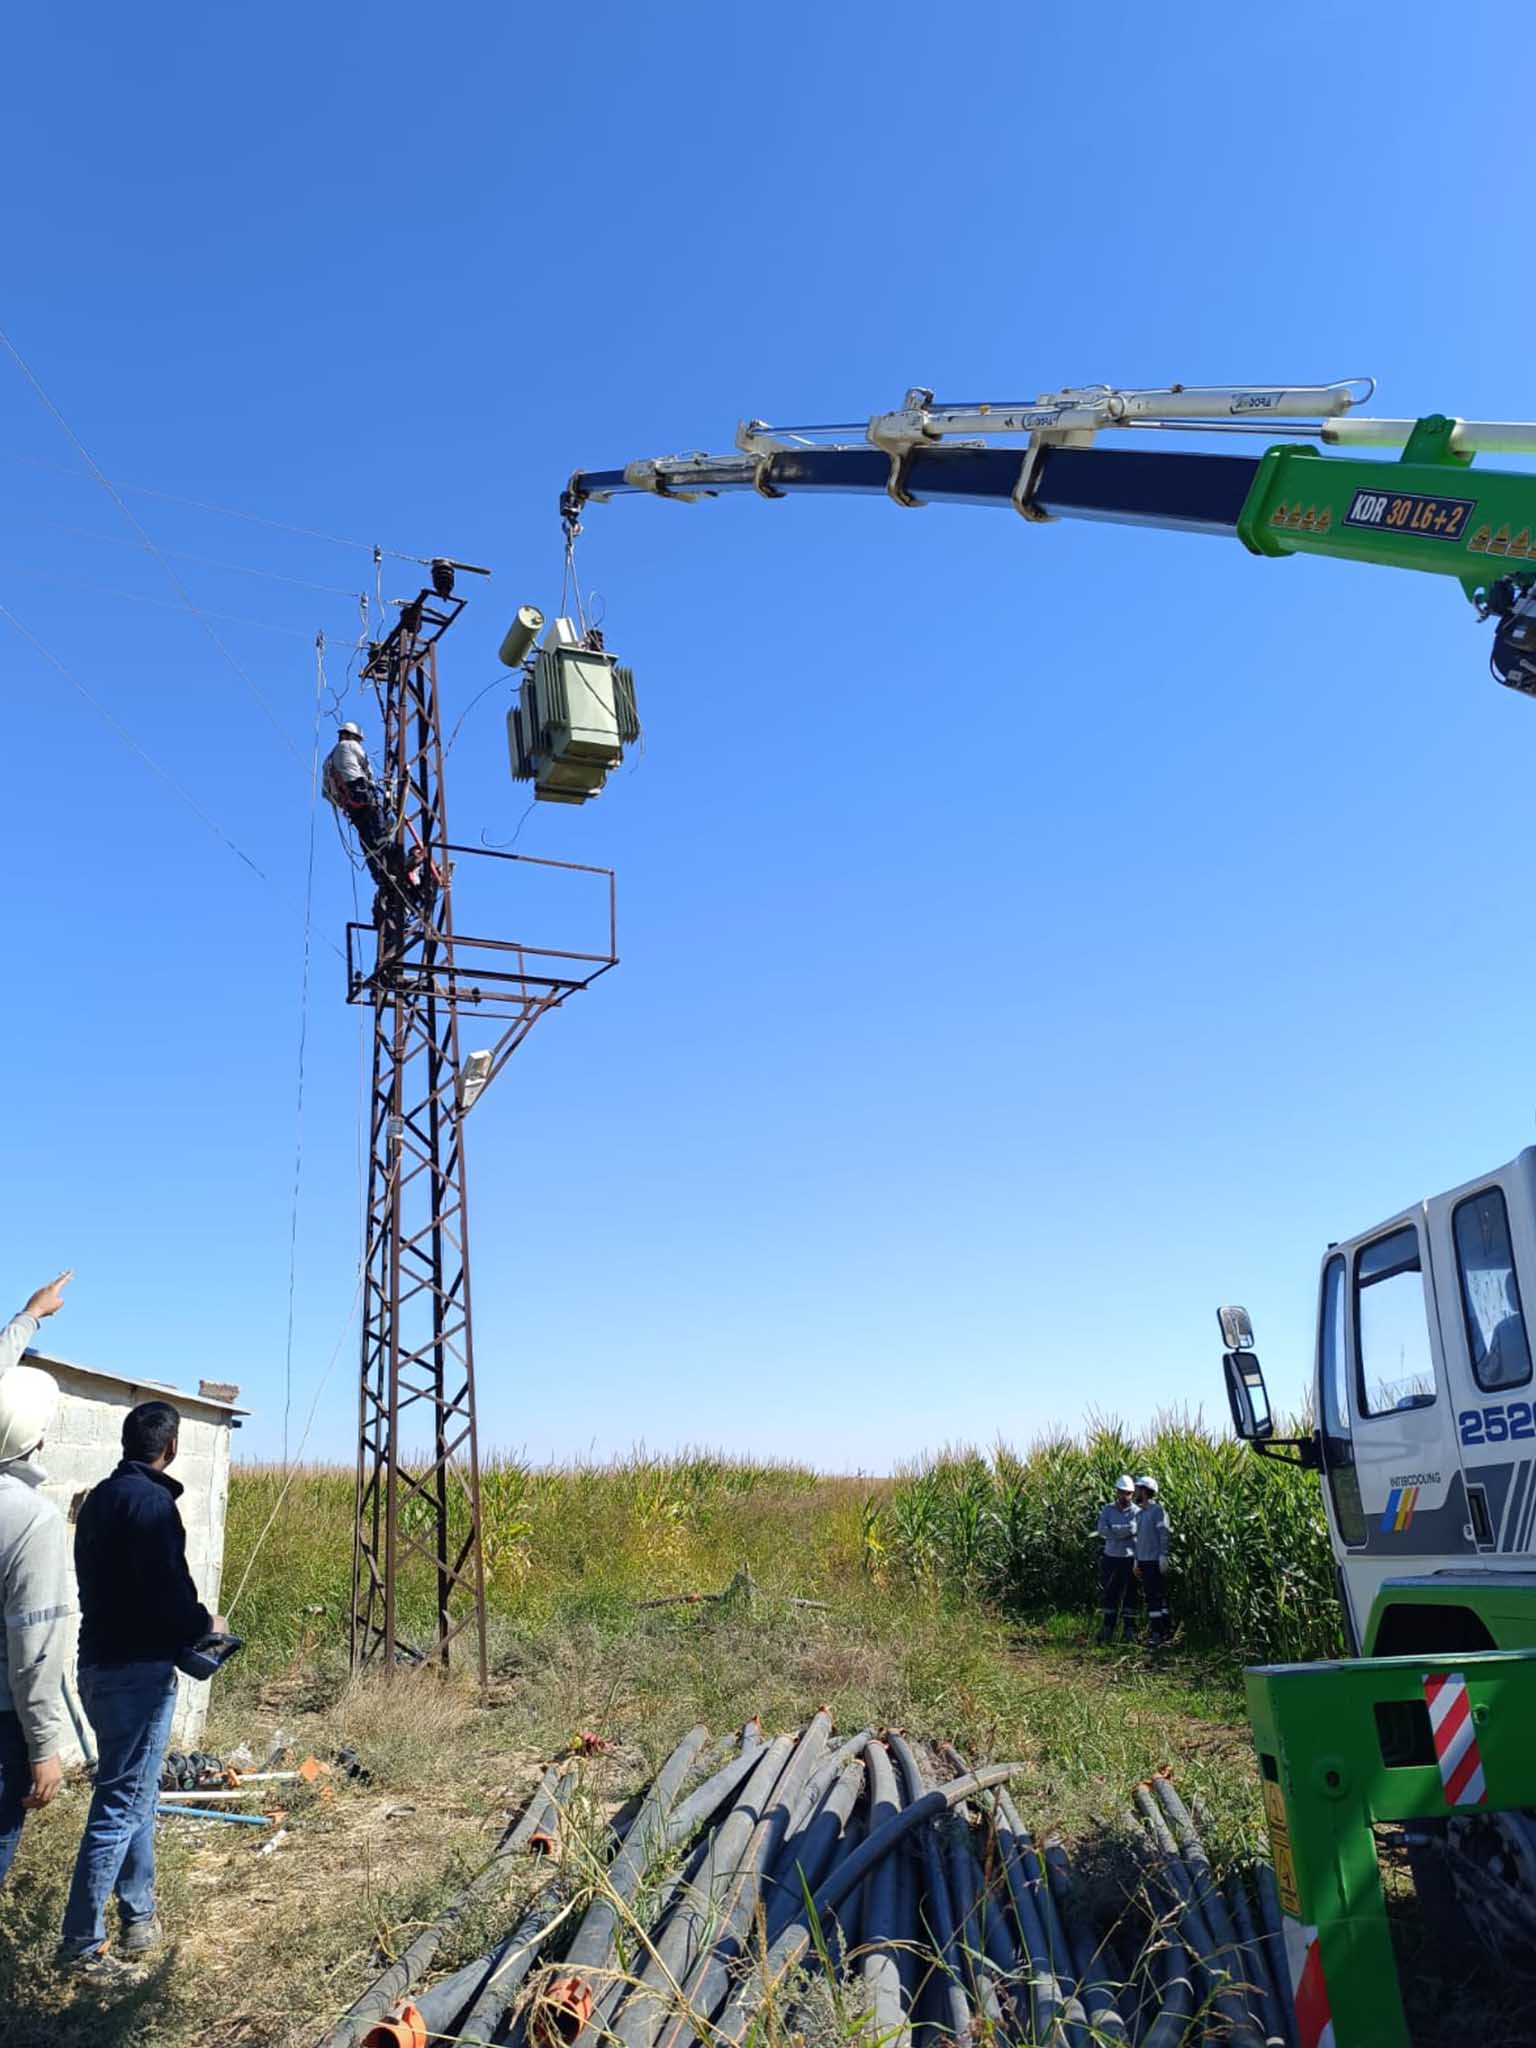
{"type": "Point", "coordinates": [1152, 1536]}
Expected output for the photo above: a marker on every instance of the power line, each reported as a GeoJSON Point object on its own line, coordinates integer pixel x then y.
{"type": "Point", "coordinates": [121, 540]}
{"type": "Point", "coordinates": [499, 677]}
{"type": "Point", "coordinates": [334, 540]}
{"type": "Point", "coordinates": [357, 1294]}
{"type": "Point", "coordinates": [163, 604]}
{"type": "Point", "coordinates": [129, 741]}
{"type": "Point", "coordinates": [293, 1469]}
{"type": "Point", "coordinates": [136, 746]}
{"type": "Point", "coordinates": [298, 1140]}
{"type": "Point", "coordinates": [117, 498]}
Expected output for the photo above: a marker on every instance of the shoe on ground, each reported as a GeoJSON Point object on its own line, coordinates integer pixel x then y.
{"type": "Point", "coordinates": [95, 1966]}
{"type": "Point", "coordinates": [140, 1936]}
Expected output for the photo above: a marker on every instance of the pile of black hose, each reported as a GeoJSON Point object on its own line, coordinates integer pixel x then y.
{"type": "Point", "coordinates": [1226, 1940]}
{"type": "Point", "coordinates": [912, 1875]}
{"type": "Point", "coordinates": [191, 1772]}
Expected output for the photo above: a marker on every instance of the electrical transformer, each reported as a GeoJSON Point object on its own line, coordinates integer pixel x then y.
{"type": "Point", "coordinates": [574, 717]}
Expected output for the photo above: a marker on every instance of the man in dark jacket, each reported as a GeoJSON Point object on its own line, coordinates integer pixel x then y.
{"type": "Point", "coordinates": [139, 1612]}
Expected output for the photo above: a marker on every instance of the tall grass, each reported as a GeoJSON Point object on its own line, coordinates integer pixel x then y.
{"type": "Point", "coordinates": [1012, 1531]}
{"type": "Point", "coordinates": [1251, 1564]}
{"type": "Point", "coordinates": [574, 1540]}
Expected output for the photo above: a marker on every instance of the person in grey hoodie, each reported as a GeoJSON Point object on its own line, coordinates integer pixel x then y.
{"type": "Point", "coordinates": [34, 1583]}
{"type": "Point", "coordinates": [1116, 1530]}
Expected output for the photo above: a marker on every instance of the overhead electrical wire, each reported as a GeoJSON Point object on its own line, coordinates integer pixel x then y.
{"type": "Point", "coordinates": [122, 505]}
{"type": "Point", "coordinates": [163, 604]}
{"type": "Point", "coordinates": [499, 677]}
{"type": "Point", "coordinates": [358, 1278]}
{"type": "Point", "coordinates": [335, 540]}
{"type": "Point", "coordinates": [309, 1422]}
{"type": "Point", "coordinates": [134, 744]}
{"type": "Point", "coordinates": [122, 540]}
{"type": "Point", "coordinates": [298, 1140]}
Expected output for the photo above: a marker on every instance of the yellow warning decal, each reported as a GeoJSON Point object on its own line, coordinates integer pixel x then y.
{"type": "Point", "coordinates": [1280, 1848]}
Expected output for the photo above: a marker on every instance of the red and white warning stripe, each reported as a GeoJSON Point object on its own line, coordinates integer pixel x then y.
{"type": "Point", "coordinates": [1314, 2017]}
{"type": "Point", "coordinates": [1456, 1751]}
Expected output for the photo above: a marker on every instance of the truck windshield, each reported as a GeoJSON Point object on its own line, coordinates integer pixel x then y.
{"type": "Point", "coordinates": [1397, 1368]}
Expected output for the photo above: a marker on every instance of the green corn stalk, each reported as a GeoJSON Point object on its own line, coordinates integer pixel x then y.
{"type": "Point", "coordinates": [1252, 1564]}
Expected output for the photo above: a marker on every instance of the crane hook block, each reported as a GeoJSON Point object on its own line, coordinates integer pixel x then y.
{"type": "Point", "coordinates": [574, 716]}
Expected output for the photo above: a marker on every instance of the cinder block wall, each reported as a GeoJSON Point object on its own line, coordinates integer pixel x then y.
{"type": "Point", "coordinates": [86, 1443]}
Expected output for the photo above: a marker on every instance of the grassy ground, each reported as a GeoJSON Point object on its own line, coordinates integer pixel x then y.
{"type": "Point", "coordinates": [269, 1948]}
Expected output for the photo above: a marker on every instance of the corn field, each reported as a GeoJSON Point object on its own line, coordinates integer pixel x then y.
{"type": "Point", "coordinates": [1251, 1567]}
{"type": "Point", "coordinates": [1011, 1532]}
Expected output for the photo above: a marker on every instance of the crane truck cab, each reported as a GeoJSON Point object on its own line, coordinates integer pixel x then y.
{"type": "Point", "coordinates": [1425, 1419]}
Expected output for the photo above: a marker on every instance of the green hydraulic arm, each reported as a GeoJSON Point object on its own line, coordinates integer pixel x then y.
{"type": "Point", "coordinates": [1420, 512]}
{"type": "Point", "coordinates": [1424, 507]}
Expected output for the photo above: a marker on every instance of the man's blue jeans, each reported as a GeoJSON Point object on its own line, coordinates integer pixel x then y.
{"type": "Point", "coordinates": [130, 1707]}
{"type": "Point", "coordinates": [15, 1784]}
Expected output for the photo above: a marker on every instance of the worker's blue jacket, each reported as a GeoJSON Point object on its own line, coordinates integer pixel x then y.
{"type": "Point", "coordinates": [1152, 1533]}
{"type": "Point", "coordinates": [1117, 1528]}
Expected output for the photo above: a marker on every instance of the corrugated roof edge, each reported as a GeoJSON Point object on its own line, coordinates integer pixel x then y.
{"type": "Point", "coordinates": [47, 1359]}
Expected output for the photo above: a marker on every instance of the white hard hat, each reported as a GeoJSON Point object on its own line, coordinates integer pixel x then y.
{"type": "Point", "coordinates": [29, 1400]}
{"type": "Point", "coordinates": [349, 731]}
{"type": "Point", "coordinates": [1148, 1482]}
{"type": "Point", "coordinates": [1125, 1483]}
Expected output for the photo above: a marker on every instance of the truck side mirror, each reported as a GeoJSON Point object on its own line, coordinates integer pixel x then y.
{"type": "Point", "coordinates": [1248, 1397]}
{"type": "Point", "coordinates": [1236, 1329]}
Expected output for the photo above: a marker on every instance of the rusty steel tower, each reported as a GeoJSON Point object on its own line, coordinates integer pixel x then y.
{"type": "Point", "coordinates": [418, 1568]}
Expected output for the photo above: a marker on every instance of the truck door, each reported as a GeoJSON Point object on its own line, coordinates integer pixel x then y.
{"type": "Point", "coordinates": [1407, 1458]}
{"type": "Point", "coordinates": [1336, 1425]}
{"type": "Point", "coordinates": [1482, 1238]}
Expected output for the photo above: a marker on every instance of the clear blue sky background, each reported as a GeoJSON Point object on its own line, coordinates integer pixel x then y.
{"type": "Point", "coordinates": [1030, 937]}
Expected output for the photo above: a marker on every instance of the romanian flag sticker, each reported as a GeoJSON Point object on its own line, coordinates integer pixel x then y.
{"type": "Point", "coordinates": [1401, 1502]}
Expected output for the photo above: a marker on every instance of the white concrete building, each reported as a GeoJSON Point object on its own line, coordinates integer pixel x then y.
{"type": "Point", "coordinates": [84, 1445]}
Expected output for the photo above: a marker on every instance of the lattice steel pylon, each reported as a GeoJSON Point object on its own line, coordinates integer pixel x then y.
{"type": "Point", "coordinates": [418, 1562]}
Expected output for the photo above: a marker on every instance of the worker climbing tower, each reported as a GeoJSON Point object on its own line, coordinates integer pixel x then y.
{"type": "Point", "coordinates": [418, 1560]}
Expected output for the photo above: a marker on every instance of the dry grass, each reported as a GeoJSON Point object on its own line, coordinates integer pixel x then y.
{"type": "Point", "coordinates": [269, 1949]}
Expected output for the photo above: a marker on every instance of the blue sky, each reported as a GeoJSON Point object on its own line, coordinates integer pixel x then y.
{"type": "Point", "coordinates": [1030, 937]}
